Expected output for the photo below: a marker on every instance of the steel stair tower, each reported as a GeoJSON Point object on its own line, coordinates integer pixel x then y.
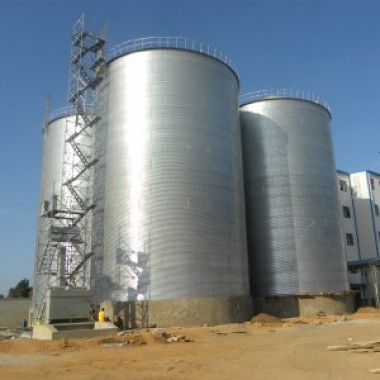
{"type": "Point", "coordinates": [64, 236]}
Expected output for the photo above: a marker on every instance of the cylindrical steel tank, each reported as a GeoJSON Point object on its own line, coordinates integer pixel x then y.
{"type": "Point", "coordinates": [174, 219]}
{"type": "Point", "coordinates": [53, 151]}
{"type": "Point", "coordinates": [57, 254]}
{"type": "Point", "coordinates": [51, 183]}
{"type": "Point", "coordinates": [294, 226]}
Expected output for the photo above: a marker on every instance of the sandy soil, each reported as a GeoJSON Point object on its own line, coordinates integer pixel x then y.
{"type": "Point", "coordinates": [264, 348]}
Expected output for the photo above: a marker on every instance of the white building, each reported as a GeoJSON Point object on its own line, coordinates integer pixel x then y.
{"type": "Point", "coordinates": [359, 194]}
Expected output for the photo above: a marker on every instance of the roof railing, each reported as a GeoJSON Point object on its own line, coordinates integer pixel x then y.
{"type": "Point", "coordinates": [173, 43]}
{"type": "Point", "coordinates": [58, 113]}
{"type": "Point", "coordinates": [64, 112]}
{"type": "Point", "coordinates": [283, 93]}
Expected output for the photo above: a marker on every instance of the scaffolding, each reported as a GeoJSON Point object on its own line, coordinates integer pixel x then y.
{"type": "Point", "coordinates": [64, 233]}
{"type": "Point", "coordinates": [369, 270]}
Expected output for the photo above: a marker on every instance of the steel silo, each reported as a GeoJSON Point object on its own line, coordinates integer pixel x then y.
{"type": "Point", "coordinates": [50, 190]}
{"type": "Point", "coordinates": [61, 225]}
{"type": "Point", "coordinates": [174, 219]}
{"type": "Point", "coordinates": [294, 227]}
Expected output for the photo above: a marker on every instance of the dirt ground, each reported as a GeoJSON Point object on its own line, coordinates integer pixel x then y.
{"type": "Point", "coordinates": [263, 348]}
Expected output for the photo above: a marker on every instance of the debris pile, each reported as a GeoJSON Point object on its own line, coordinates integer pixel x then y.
{"type": "Point", "coordinates": [265, 319]}
{"type": "Point", "coordinates": [363, 347]}
{"type": "Point", "coordinates": [367, 310]}
{"type": "Point", "coordinates": [122, 339]}
{"type": "Point", "coordinates": [167, 337]}
{"type": "Point", "coordinates": [9, 334]}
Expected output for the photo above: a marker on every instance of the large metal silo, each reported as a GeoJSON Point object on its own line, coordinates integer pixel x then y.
{"type": "Point", "coordinates": [63, 230]}
{"type": "Point", "coordinates": [174, 219]}
{"type": "Point", "coordinates": [294, 226]}
{"type": "Point", "coordinates": [50, 190]}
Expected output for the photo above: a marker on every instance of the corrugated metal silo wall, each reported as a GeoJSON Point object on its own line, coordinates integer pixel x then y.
{"type": "Point", "coordinates": [98, 280]}
{"type": "Point", "coordinates": [174, 224]}
{"type": "Point", "coordinates": [294, 225]}
{"type": "Point", "coordinates": [51, 182]}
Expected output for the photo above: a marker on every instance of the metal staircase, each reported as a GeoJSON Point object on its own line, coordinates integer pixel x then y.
{"type": "Point", "coordinates": [64, 235]}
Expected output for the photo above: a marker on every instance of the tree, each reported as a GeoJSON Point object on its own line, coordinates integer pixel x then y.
{"type": "Point", "coordinates": [21, 290]}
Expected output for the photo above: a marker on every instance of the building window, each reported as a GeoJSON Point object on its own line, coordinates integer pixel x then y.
{"type": "Point", "coordinates": [377, 211]}
{"type": "Point", "coordinates": [346, 212]}
{"type": "Point", "coordinates": [372, 183]}
{"type": "Point", "coordinates": [343, 185]}
{"type": "Point", "coordinates": [350, 239]}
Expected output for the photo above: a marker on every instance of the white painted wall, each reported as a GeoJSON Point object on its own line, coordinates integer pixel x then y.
{"type": "Point", "coordinates": [348, 224]}
{"type": "Point", "coordinates": [367, 223]}
{"type": "Point", "coordinates": [363, 198]}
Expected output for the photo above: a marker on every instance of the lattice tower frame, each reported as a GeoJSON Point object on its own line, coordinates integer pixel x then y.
{"type": "Point", "coordinates": [87, 67]}
{"type": "Point", "coordinates": [64, 231]}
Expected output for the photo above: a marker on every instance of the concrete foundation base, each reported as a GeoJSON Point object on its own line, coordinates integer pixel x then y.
{"type": "Point", "coordinates": [180, 312]}
{"type": "Point", "coordinates": [72, 330]}
{"type": "Point", "coordinates": [306, 305]}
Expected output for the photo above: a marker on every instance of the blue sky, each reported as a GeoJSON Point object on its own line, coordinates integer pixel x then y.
{"type": "Point", "coordinates": [331, 48]}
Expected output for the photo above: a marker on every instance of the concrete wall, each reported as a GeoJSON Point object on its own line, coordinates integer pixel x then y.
{"type": "Point", "coordinates": [181, 312]}
{"type": "Point", "coordinates": [73, 330]}
{"type": "Point", "coordinates": [334, 304]}
{"type": "Point", "coordinates": [13, 311]}
{"type": "Point", "coordinates": [306, 305]}
{"type": "Point", "coordinates": [213, 311]}
{"type": "Point", "coordinates": [67, 305]}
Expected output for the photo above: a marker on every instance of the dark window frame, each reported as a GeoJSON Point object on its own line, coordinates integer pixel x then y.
{"type": "Point", "coordinates": [343, 185]}
{"type": "Point", "coordinates": [350, 239]}
{"type": "Point", "coordinates": [346, 212]}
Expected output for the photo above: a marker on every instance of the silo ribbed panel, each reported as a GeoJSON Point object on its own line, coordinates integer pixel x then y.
{"type": "Point", "coordinates": [174, 224]}
{"type": "Point", "coordinates": [51, 182]}
{"type": "Point", "coordinates": [294, 227]}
